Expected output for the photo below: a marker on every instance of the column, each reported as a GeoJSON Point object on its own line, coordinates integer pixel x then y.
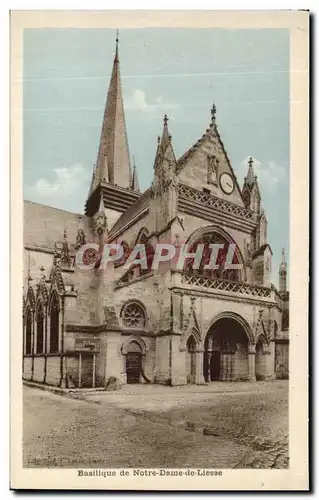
{"type": "Point", "coordinates": [199, 378]}
{"type": "Point", "coordinates": [94, 370]}
{"type": "Point", "coordinates": [208, 358]}
{"type": "Point", "coordinates": [222, 366]}
{"type": "Point", "coordinates": [80, 370]}
{"type": "Point", "coordinates": [251, 362]}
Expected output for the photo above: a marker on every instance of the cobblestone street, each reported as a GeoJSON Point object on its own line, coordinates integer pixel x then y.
{"type": "Point", "coordinates": [214, 426]}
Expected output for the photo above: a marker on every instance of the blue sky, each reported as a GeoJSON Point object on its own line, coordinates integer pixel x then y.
{"type": "Point", "coordinates": [180, 72]}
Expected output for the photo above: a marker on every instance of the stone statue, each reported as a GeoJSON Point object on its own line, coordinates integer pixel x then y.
{"type": "Point", "coordinates": [212, 169]}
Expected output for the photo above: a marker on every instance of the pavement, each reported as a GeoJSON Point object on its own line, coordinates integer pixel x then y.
{"type": "Point", "coordinates": [219, 425]}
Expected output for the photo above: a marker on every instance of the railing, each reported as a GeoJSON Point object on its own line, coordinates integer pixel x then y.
{"type": "Point", "coordinates": [211, 201]}
{"type": "Point", "coordinates": [226, 286]}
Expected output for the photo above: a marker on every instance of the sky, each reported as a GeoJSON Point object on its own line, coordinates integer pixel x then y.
{"type": "Point", "coordinates": [180, 72]}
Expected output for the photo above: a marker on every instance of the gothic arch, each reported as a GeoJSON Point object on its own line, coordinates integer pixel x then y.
{"type": "Point", "coordinates": [196, 335]}
{"type": "Point", "coordinates": [54, 296]}
{"type": "Point", "coordinates": [262, 339]}
{"type": "Point", "coordinates": [57, 280]}
{"type": "Point", "coordinates": [42, 291]}
{"type": "Point", "coordinates": [54, 314]}
{"type": "Point", "coordinates": [236, 317]}
{"type": "Point", "coordinates": [40, 326]}
{"type": "Point", "coordinates": [191, 332]}
{"type": "Point", "coordinates": [202, 232]}
{"type": "Point", "coordinates": [125, 349]}
{"type": "Point", "coordinates": [142, 236]}
{"type": "Point", "coordinates": [30, 298]}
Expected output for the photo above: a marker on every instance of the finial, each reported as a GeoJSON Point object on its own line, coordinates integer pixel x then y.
{"type": "Point", "coordinates": [165, 120]}
{"type": "Point", "coordinates": [250, 161]}
{"type": "Point", "coordinates": [283, 256]}
{"type": "Point", "coordinates": [170, 138]}
{"type": "Point", "coordinates": [213, 114]}
{"type": "Point", "coordinates": [65, 235]}
{"type": "Point", "coordinates": [116, 58]}
{"type": "Point", "coordinates": [158, 139]}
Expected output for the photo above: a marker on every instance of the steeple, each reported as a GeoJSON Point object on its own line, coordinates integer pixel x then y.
{"type": "Point", "coordinates": [283, 273]}
{"type": "Point", "coordinates": [113, 141]}
{"type": "Point", "coordinates": [113, 178]}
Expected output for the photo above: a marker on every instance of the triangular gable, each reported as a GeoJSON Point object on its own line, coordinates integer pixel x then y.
{"type": "Point", "coordinates": [192, 167]}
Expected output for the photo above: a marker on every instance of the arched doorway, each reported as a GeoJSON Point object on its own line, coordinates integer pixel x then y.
{"type": "Point", "coordinates": [191, 360]}
{"type": "Point", "coordinates": [133, 363]}
{"type": "Point", "coordinates": [226, 351]}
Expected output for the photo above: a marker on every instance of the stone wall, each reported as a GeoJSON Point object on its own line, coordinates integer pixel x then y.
{"type": "Point", "coordinates": [53, 370]}
{"type": "Point", "coordinates": [282, 360]}
{"type": "Point", "coordinates": [38, 369]}
{"type": "Point", "coordinates": [163, 359]}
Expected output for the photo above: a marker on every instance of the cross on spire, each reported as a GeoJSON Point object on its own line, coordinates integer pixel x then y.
{"type": "Point", "coordinates": [213, 114]}
{"type": "Point", "coordinates": [251, 178]}
{"type": "Point", "coordinates": [165, 120]}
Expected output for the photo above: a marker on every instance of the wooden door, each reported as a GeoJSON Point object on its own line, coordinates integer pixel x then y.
{"type": "Point", "coordinates": [133, 367]}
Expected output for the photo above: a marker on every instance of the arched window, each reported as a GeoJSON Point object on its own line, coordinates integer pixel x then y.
{"type": "Point", "coordinates": [133, 316]}
{"type": "Point", "coordinates": [221, 272]}
{"type": "Point", "coordinates": [126, 253]}
{"type": "Point", "coordinates": [28, 334]}
{"type": "Point", "coordinates": [40, 329]}
{"type": "Point", "coordinates": [143, 239]}
{"type": "Point", "coordinates": [54, 324]}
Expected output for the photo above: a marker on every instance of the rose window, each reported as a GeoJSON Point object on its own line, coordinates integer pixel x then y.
{"type": "Point", "coordinates": [133, 316]}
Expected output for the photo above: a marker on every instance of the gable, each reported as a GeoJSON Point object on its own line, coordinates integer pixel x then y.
{"type": "Point", "coordinates": [203, 166]}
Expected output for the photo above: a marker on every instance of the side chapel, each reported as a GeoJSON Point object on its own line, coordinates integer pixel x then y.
{"type": "Point", "coordinates": [86, 328]}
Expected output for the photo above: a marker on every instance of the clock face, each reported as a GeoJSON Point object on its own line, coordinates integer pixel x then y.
{"type": "Point", "coordinates": [226, 183]}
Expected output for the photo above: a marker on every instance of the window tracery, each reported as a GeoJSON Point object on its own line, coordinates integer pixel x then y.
{"type": "Point", "coordinates": [133, 316]}
{"type": "Point", "coordinates": [221, 271]}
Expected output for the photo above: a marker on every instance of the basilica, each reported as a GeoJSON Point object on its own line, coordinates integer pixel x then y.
{"type": "Point", "coordinates": [93, 328]}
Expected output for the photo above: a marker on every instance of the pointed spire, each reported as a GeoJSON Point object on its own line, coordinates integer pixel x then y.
{"type": "Point", "coordinates": [166, 137]}
{"type": "Point", "coordinates": [164, 146]}
{"type": "Point", "coordinates": [251, 178]}
{"type": "Point", "coordinates": [283, 263]}
{"type": "Point", "coordinates": [135, 185]}
{"type": "Point", "coordinates": [113, 141]}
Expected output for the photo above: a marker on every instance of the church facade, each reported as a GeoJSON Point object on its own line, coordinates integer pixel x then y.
{"type": "Point", "coordinates": [92, 327]}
